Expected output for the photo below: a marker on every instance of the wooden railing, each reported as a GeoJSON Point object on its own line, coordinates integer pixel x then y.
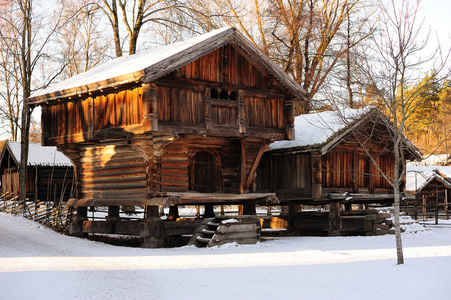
{"type": "Point", "coordinates": [47, 213]}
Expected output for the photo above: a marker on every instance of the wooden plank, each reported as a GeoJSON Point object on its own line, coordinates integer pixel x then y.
{"type": "Point", "coordinates": [156, 201]}
{"type": "Point", "coordinates": [237, 227]}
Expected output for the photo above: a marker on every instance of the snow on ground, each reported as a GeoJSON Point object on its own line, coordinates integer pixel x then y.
{"type": "Point", "coordinates": [38, 263]}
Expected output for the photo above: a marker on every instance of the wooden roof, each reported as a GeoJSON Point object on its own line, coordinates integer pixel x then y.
{"type": "Point", "coordinates": [324, 131]}
{"type": "Point", "coordinates": [147, 66]}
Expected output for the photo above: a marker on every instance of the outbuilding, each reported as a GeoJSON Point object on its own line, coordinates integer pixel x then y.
{"type": "Point", "coordinates": [330, 163]}
{"type": "Point", "coordinates": [49, 173]}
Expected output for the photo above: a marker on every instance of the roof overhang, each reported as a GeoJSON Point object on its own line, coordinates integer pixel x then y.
{"type": "Point", "coordinates": [168, 64]}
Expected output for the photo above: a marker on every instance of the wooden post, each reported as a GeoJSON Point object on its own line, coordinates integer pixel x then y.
{"type": "Point", "coordinates": [371, 177]}
{"type": "Point", "coordinates": [208, 117]}
{"type": "Point", "coordinates": [248, 210]}
{"type": "Point", "coordinates": [355, 171]}
{"type": "Point", "coordinates": [424, 208]}
{"type": "Point", "coordinates": [90, 119]}
{"type": "Point", "coordinates": [173, 213]}
{"type": "Point", "coordinates": [209, 211]}
{"type": "Point", "coordinates": [316, 175]}
{"type": "Point", "coordinates": [436, 204]}
{"type": "Point", "coordinates": [151, 230]}
{"type": "Point", "coordinates": [289, 117]}
{"type": "Point", "coordinates": [335, 224]}
{"type": "Point", "coordinates": [150, 107]}
{"type": "Point", "coordinates": [250, 177]}
{"type": "Point", "coordinates": [446, 204]}
{"type": "Point", "coordinates": [76, 227]}
{"type": "Point", "coordinates": [415, 209]}
{"type": "Point", "coordinates": [243, 167]}
{"type": "Point", "coordinates": [112, 218]}
{"type": "Point", "coordinates": [241, 114]}
{"type": "Point", "coordinates": [153, 174]}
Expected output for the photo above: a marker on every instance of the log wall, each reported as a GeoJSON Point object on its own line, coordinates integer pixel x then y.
{"type": "Point", "coordinates": [112, 173]}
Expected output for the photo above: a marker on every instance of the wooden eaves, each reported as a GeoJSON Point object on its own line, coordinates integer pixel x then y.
{"type": "Point", "coordinates": [172, 62]}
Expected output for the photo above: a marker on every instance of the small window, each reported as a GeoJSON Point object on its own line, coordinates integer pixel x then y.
{"type": "Point", "coordinates": [214, 94]}
{"type": "Point", "coordinates": [232, 95]}
{"type": "Point", "coordinates": [224, 95]}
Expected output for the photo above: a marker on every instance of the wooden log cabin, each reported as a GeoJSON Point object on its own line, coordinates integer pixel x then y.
{"type": "Point", "coordinates": [49, 173]}
{"type": "Point", "coordinates": [326, 165]}
{"type": "Point", "coordinates": [186, 124]}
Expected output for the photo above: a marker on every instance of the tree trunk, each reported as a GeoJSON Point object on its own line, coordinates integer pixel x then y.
{"type": "Point", "coordinates": [399, 251]}
{"type": "Point", "coordinates": [398, 148]}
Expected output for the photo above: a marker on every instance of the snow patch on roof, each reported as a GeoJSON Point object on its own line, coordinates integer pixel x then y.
{"type": "Point", "coordinates": [418, 176]}
{"type": "Point", "coordinates": [41, 155]}
{"type": "Point", "coordinates": [128, 64]}
{"type": "Point", "coordinates": [317, 128]}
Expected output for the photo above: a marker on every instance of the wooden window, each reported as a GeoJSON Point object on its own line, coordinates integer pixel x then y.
{"type": "Point", "coordinates": [214, 94]}
{"type": "Point", "coordinates": [233, 96]}
{"type": "Point", "coordinates": [223, 95]}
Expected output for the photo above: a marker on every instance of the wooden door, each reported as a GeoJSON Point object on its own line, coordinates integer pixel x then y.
{"type": "Point", "coordinates": [203, 178]}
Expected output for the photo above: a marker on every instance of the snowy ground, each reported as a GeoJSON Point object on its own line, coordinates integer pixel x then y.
{"type": "Point", "coordinates": [37, 263]}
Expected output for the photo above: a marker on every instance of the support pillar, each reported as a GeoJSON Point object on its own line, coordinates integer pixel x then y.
{"type": "Point", "coordinates": [76, 227]}
{"type": "Point", "coordinates": [151, 235]}
{"type": "Point", "coordinates": [209, 211]}
{"type": "Point", "coordinates": [335, 224]}
{"type": "Point", "coordinates": [173, 213]}
{"type": "Point", "coordinates": [112, 218]}
{"type": "Point", "coordinates": [248, 210]}
{"type": "Point", "coordinates": [317, 176]}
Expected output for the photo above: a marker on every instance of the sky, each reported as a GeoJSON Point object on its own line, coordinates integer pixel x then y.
{"type": "Point", "coordinates": [436, 16]}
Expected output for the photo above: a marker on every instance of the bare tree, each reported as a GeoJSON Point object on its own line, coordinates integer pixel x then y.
{"type": "Point", "coordinates": [24, 29]}
{"type": "Point", "coordinates": [306, 37]}
{"type": "Point", "coordinates": [398, 49]}
{"type": "Point", "coordinates": [135, 14]}
{"type": "Point", "coordinates": [82, 41]}
{"type": "Point", "coordinates": [10, 87]}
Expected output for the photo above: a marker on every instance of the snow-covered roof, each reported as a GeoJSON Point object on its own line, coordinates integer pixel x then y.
{"type": "Point", "coordinates": [318, 128]}
{"type": "Point", "coordinates": [153, 64]}
{"type": "Point", "coordinates": [417, 177]}
{"type": "Point", "coordinates": [40, 155]}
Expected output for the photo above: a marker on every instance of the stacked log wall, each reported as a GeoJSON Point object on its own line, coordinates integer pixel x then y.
{"type": "Point", "coordinates": [112, 173]}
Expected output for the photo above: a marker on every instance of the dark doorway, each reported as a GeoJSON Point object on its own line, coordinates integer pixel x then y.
{"type": "Point", "coordinates": [203, 179]}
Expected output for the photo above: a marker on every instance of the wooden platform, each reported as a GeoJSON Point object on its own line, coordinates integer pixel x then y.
{"type": "Point", "coordinates": [182, 198]}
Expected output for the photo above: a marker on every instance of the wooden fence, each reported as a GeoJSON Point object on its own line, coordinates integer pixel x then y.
{"type": "Point", "coordinates": [47, 213]}
{"type": "Point", "coordinates": [423, 209]}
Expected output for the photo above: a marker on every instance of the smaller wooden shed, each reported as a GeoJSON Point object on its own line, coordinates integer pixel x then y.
{"type": "Point", "coordinates": [326, 158]}
{"type": "Point", "coordinates": [327, 162]}
{"type": "Point", "coordinates": [50, 173]}
{"type": "Point", "coordinates": [430, 190]}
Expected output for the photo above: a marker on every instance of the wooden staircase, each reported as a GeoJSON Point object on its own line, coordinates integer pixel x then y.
{"type": "Point", "coordinates": [222, 230]}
